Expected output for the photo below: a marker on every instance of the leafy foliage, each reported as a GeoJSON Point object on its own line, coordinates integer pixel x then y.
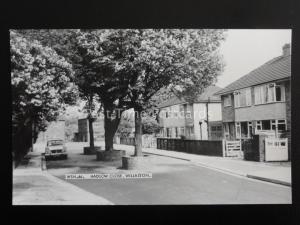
{"type": "Point", "coordinates": [150, 125]}
{"type": "Point", "coordinates": [40, 81]}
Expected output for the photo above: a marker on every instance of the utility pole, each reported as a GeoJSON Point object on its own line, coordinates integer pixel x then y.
{"type": "Point", "coordinates": [207, 122]}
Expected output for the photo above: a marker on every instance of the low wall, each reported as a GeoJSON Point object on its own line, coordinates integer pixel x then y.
{"type": "Point", "coordinates": [199, 147]}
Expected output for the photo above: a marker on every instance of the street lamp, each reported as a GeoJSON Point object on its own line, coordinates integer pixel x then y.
{"type": "Point", "coordinates": [200, 123]}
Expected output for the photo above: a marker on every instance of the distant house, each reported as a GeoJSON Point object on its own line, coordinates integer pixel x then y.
{"type": "Point", "coordinates": [259, 102]}
{"type": "Point", "coordinates": [55, 129]}
{"type": "Point", "coordinates": [178, 118]}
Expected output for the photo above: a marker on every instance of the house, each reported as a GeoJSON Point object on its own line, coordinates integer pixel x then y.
{"type": "Point", "coordinates": [179, 118]}
{"type": "Point", "coordinates": [260, 101]}
{"type": "Point", "coordinates": [55, 129]}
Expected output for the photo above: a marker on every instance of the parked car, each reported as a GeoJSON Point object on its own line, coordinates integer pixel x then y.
{"type": "Point", "coordinates": [56, 148]}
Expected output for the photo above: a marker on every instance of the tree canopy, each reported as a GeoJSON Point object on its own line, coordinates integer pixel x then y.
{"type": "Point", "coordinates": [40, 82]}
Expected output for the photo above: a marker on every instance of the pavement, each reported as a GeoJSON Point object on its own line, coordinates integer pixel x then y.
{"type": "Point", "coordinates": [33, 186]}
{"type": "Point", "coordinates": [274, 172]}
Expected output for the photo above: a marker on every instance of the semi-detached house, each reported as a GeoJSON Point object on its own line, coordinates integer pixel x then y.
{"type": "Point", "coordinates": [197, 120]}
{"type": "Point", "coordinates": [259, 102]}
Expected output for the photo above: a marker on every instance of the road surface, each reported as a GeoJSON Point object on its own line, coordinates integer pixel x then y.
{"type": "Point", "coordinates": [174, 181]}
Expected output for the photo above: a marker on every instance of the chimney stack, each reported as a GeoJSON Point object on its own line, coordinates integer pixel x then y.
{"type": "Point", "coordinates": [286, 50]}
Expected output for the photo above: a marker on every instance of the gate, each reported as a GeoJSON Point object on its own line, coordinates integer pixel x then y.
{"type": "Point", "coordinates": [233, 149]}
{"type": "Point", "coordinates": [276, 149]}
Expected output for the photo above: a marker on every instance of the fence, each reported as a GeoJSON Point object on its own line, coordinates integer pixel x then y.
{"type": "Point", "coordinates": [127, 141]}
{"type": "Point", "coordinates": [233, 149]}
{"type": "Point", "coordinates": [148, 141]}
{"type": "Point", "coordinates": [200, 147]}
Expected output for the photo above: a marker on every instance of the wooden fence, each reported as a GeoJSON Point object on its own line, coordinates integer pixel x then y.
{"type": "Point", "coordinates": [127, 141]}
{"type": "Point", "coordinates": [233, 149]}
{"type": "Point", "coordinates": [200, 147]}
{"type": "Point", "coordinates": [148, 141]}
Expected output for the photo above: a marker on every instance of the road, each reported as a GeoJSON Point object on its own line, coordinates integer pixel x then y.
{"type": "Point", "coordinates": [174, 181]}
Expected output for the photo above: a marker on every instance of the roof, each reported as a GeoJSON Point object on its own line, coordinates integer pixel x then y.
{"type": "Point", "coordinates": [276, 69]}
{"type": "Point", "coordinates": [208, 93]}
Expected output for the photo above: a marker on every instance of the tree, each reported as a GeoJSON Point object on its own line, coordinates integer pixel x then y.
{"type": "Point", "coordinates": [41, 88]}
{"type": "Point", "coordinates": [150, 125]}
{"type": "Point", "coordinates": [88, 51]}
{"type": "Point", "coordinates": [187, 61]}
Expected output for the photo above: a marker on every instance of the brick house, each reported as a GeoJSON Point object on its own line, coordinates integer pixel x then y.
{"type": "Point", "coordinates": [178, 117]}
{"type": "Point", "coordinates": [260, 101]}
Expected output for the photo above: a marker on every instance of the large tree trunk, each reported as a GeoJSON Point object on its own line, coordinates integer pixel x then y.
{"type": "Point", "coordinates": [91, 133]}
{"type": "Point", "coordinates": [138, 151]}
{"type": "Point", "coordinates": [110, 127]}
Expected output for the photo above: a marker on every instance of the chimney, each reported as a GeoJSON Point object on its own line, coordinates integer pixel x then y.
{"type": "Point", "coordinates": [286, 50]}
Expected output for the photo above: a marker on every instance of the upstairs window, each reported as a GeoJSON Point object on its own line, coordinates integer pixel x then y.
{"type": "Point", "coordinates": [227, 100]}
{"type": "Point", "coordinates": [242, 98]}
{"type": "Point", "coordinates": [269, 93]}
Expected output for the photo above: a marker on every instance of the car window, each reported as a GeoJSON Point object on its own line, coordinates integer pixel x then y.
{"type": "Point", "coordinates": [54, 143]}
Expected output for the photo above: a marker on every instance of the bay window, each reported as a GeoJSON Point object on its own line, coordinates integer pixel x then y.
{"type": "Point", "coordinates": [278, 126]}
{"type": "Point", "coordinates": [268, 93]}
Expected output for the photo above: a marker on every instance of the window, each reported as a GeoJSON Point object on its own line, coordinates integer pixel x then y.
{"type": "Point", "coordinates": [226, 128]}
{"type": "Point", "coordinates": [182, 131]}
{"type": "Point", "coordinates": [279, 93]}
{"type": "Point", "coordinates": [266, 124]}
{"type": "Point", "coordinates": [250, 129]}
{"type": "Point", "coordinates": [216, 128]}
{"type": "Point", "coordinates": [268, 93]}
{"type": "Point", "coordinates": [273, 125]}
{"type": "Point", "coordinates": [258, 125]}
{"type": "Point", "coordinates": [238, 129]}
{"type": "Point", "coordinates": [281, 125]}
{"type": "Point", "coordinates": [168, 132]}
{"type": "Point", "coordinates": [242, 98]}
{"type": "Point", "coordinates": [263, 125]}
{"type": "Point", "coordinates": [181, 108]}
{"type": "Point", "coordinates": [166, 113]}
{"type": "Point", "coordinates": [248, 97]}
{"type": "Point", "coordinates": [244, 129]}
{"type": "Point", "coordinates": [176, 132]}
{"type": "Point", "coordinates": [190, 131]}
{"type": "Point", "coordinates": [227, 100]}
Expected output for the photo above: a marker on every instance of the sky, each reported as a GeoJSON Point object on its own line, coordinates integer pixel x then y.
{"type": "Point", "coordinates": [244, 50]}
